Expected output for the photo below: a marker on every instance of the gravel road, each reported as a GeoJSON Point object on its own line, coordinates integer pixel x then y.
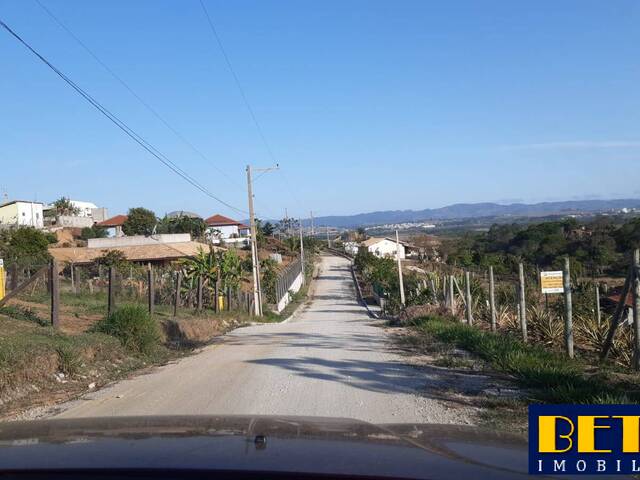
{"type": "Point", "coordinates": [330, 360]}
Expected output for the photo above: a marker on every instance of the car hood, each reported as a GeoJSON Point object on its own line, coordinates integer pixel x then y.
{"type": "Point", "coordinates": [262, 444]}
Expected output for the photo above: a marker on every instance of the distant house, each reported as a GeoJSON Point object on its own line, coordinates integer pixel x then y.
{"type": "Point", "coordinates": [21, 213]}
{"type": "Point", "coordinates": [86, 215]}
{"type": "Point", "coordinates": [221, 228]}
{"type": "Point", "coordinates": [182, 213]}
{"type": "Point", "coordinates": [114, 225]}
{"type": "Point", "coordinates": [383, 247]}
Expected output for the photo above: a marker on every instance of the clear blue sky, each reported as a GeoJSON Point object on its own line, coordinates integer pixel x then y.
{"type": "Point", "coordinates": [366, 105]}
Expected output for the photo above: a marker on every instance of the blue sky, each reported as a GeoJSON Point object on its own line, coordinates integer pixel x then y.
{"type": "Point", "coordinates": [366, 105]}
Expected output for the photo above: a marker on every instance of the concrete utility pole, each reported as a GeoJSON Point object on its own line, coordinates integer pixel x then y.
{"type": "Point", "coordinates": [399, 268]}
{"type": "Point", "coordinates": [255, 258]}
{"type": "Point", "coordinates": [302, 252]}
{"type": "Point", "coordinates": [568, 308]}
{"type": "Point", "coordinates": [254, 248]}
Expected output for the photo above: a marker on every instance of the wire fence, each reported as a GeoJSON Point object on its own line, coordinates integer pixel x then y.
{"type": "Point", "coordinates": [74, 297]}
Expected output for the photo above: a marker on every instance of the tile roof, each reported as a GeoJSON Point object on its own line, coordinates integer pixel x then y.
{"type": "Point", "coordinates": [220, 220]}
{"type": "Point", "coordinates": [116, 221]}
{"type": "Point", "coordinates": [135, 253]}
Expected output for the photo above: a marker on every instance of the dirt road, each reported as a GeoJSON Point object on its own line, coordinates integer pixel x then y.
{"type": "Point", "coordinates": [331, 359]}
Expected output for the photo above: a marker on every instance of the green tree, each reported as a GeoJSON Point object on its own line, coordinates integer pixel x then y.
{"type": "Point", "coordinates": [93, 232]}
{"type": "Point", "coordinates": [63, 206]}
{"type": "Point", "coordinates": [268, 228]}
{"type": "Point", "coordinates": [25, 246]}
{"type": "Point", "coordinates": [183, 224]}
{"type": "Point", "coordinates": [140, 221]}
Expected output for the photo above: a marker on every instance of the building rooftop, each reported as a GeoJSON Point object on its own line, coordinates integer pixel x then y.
{"type": "Point", "coordinates": [220, 221]}
{"type": "Point", "coordinates": [116, 221]}
{"type": "Point", "coordinates": [18, 201]}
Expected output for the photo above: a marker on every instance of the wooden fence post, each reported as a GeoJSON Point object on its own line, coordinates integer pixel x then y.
{"type": "Point", "coordinates": [492, 299]}
{"type": "Point", "coordinates": [176, 301]}
{"type": "Point", "coordinates": [228, 295]}
{"type": "Point", "coordinates": [150, 288]}
{"type": "Point", "coordinates": [568, 308]}
{"type": "Point", "coordinates": [522, 303]}
{"type": "Point", "coordinates": [72, 269]}
{"type": "Point", "coordinates": [467, 278]}
{"type": "Point", "coordinates": [636, 310]}
{"type": "Point", "coordinates": [199, 307]}
{"type": "Point", "coordinates": [452, 297]}
{"type": "Point", "coordinates": [112, 291]}
{"type": "Point", "coordinates": [216, 292]}
{"type": "Point", "coordinates": [54, 282]}
{"type": "Point", "coordinates": [598, 310]}
{"type": "Point", "coordinates": [615, 320]}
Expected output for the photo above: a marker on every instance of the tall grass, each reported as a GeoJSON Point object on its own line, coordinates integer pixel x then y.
{"type": "Point", "coordinates": [134, 327]}
{"type": "Point", "coordinates": [551, 377]}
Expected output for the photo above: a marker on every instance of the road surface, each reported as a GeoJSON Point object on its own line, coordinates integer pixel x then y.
{"type": "Point", "coordinates": [330, 360]}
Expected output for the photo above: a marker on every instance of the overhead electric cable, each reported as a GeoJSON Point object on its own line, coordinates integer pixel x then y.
{"type": "Point", "coordinates": [121, 125]}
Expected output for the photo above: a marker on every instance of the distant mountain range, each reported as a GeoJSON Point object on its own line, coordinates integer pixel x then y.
{"type": "Point", "coordinates": [476, 210]}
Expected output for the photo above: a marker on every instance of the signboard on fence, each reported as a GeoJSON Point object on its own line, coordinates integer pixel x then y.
{"type": "Point", "coordinates": [551, 282]}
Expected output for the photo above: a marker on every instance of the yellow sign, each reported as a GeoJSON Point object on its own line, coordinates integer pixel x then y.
{"type": "Point", "coordinates": [551, 282]}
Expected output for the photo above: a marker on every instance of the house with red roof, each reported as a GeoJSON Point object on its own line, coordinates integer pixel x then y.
{"type": "Point", "coordinates": [225, 229]}
{"type": "Point", "coordinates": [113, 225]}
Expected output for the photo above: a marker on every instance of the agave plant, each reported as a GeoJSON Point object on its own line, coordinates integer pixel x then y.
{"type": "Point", "coordinates": [546, 327]}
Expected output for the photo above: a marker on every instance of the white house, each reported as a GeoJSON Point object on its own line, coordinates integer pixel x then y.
{"type": "Point", "coordinates": [226, 229]}
{"type": "Point", "coordinates": [383, 247]}
{"type": "Point", "coordinates": [21, 213]}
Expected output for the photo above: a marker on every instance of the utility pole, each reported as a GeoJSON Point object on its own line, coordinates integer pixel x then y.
{"type": "Point", "coordinates": [399, 268]}
{"type": "Point", "coordinates": [255, 258]}
{"type": "Point", "coordinates": [328, 241]}
{"type": "Point", "coordinates": [311, 215]}
{"type": "Point", "coordinates": [301, 251]}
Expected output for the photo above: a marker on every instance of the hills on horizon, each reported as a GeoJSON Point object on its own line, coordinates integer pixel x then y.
{"type": "Point", "coordinates": [475, 210]}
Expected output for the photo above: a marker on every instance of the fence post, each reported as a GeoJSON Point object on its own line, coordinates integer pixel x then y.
{"type": "Point", "coordinates": [216, 292]}
{"type": "Point", "coordinates": [54, 280]}
{"type": "Point", "coordinates": [199, 306]}
{"type": "Point", "coordinates": [598, 311]}
{"type": "Point", "coordinates": [112, 291]}
{"type": "Point", "coordinates": [176, 302]}
{"type": "Point", "coordinates": [452, 297]}
{"type": "Point", "coordinates": [467, 278]}
{"type": "Point", "coordinates": [636, 310]}
{"type": "Point", "coordinates": [523, 303]}
{"type": "Point", "coordinates": [228, 295]}
{"type": "Point", "coordinates": [72, 268]}
{"type": "Point", "coordinates": [568, 308]}
{"type": "Point", "coordinates": [492, 299]}
{"type": "Point", "coordinates": [150, 288]}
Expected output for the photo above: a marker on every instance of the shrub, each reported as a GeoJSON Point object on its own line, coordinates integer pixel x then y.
{"type": "Point", "coordinates": [134, 327]}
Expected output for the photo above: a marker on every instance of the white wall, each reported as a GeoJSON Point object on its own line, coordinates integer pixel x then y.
{"type": "Point", "coordinates": [386, 248]}
{"type": "Point", "coordinates": [30, 214]}
{"type": "Point", "coordinates": [138, 240]}
{"type": "Point", "coordinates": [226, 231]}
{"type": "Point", "coordinates": [84, 208]}
{"type": "Point", "coordinates": [295, 286]}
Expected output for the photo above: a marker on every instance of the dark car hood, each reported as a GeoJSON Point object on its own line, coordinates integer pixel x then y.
{"type": "Point", "coordinates": [283, 444]}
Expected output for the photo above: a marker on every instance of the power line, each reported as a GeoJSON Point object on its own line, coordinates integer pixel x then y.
{"type": "Point", "coordinates": [121, 125]}
{"type": "Point", "coordinates": [236, 79]}
{"type": "Point", "coordinates": [132, 92]}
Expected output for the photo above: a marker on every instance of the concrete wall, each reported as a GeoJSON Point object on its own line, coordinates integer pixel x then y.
{"type": "Point", "coordinates": [295, 286]}
{"type": "Point", "coordinates": [138, 240]}
{"type": "Point", "coordinates": [73, 221]}
{"type": "Point", "coordinates": [226, 231]}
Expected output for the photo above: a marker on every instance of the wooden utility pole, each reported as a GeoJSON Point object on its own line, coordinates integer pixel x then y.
{"type": "Point", "coordinates": [150, 288]}
{"type": "Point", "coordinates": [492, 299]}
{"type": "Point", "coordinates": [54, 281]}
{"type": "Point", "coordinates": [522, 303]}
{"type": "Point", "coordinates": [111, 302]}
{"type": "Point", "coordinates": [636, 310]}
{"type": "Point", "coordinates": [254, 248]}
{"type": "Point", "coordinates": [467, 279]}
{"type": "Point", "coordinates": [399, 268]}
{"type": "Point", "coordinates": [568, 308]}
